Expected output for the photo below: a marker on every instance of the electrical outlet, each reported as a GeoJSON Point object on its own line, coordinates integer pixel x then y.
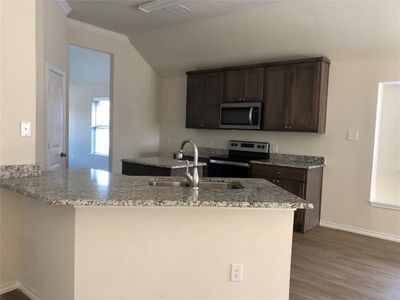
{"type": "Point", "coordinates": [236, 272]}
{"type": "Point", "coordinates": [352, 135]}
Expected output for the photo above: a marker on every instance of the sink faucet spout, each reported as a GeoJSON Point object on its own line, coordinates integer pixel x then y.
{"type": "Point", "coordinates": [193, 180]}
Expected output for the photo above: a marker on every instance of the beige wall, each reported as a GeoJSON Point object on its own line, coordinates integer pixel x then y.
{"type": "Point", "coordinates": [353, 90]}
{"type": "Point", "coordinates": [10, 249]}
{"type": "Point", "coordinates": [47, 249]}
{"type": "Point", "coordinates": [51, 45]}
{"type": "Point", "coordinates": [181, 253]}
{"type": "Point", "coordinates": [18, 81]}
{"type": "Point", "coordinates": [17, 103]}
{"type": "Point", "coordinates": [135, 121]}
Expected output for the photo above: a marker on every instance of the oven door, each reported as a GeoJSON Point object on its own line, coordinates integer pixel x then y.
{"type": "Point", "coordinates": [224, 168]}
{"type": "Point", "coordinates": [240, 115]}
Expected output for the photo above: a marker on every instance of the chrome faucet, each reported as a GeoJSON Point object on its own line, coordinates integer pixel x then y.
{"type": "Point", "coordinates": [193, 180]}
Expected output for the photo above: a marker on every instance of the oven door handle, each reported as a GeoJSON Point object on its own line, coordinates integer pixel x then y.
{"type": "Point", "coordinates": [229, 163]}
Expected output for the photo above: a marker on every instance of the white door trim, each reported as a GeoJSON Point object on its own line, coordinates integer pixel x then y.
{"type": "Point", "coordinates": [52, 68]}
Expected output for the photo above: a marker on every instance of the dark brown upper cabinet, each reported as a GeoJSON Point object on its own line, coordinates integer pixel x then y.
{"type": "Point", "coordinates": [296, 96]}
{"type": "Point", "coordinates": [244, 85]}
{"type": "Point", "coordinates": [204, 96]}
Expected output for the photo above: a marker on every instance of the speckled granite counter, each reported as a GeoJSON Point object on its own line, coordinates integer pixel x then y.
{"type": "Point", "coordinates": [292, 161]}
{"type": "Point", "coordinates": [162, 162]}
{"type": "Point", "coordinates": [16, 171]}
{"type": "Point", "coordinates": [83, 187]}
{"type": "Point", "coordinates": [276, 159]}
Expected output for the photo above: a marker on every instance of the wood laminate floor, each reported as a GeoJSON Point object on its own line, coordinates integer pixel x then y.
{"type": "Point", "coordinates": [332, 264]}
{"type": "Point", "coordinates": [329, 264]}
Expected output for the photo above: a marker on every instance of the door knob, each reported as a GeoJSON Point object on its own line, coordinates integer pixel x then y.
{"type": "Point", "coordinates": [63, 154]}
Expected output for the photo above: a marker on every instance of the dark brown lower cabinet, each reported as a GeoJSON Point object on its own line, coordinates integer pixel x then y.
{"type": "Point", "coordinates": [305, 183]}
{"type": "Point", "coordinates": [133, 169]}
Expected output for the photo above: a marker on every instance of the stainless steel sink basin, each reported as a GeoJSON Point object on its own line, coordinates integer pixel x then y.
{"type": "Point", "coordinates": [202, 185]}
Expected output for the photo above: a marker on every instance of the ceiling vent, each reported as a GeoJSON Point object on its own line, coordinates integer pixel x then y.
{"type": "Point", "coordinates": [170, 6]}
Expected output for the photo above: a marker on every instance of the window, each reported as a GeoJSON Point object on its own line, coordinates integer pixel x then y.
{"type": "Point", "coordinates": [385, 185]}
{"type": "Point", "coordinates": [101, 126]}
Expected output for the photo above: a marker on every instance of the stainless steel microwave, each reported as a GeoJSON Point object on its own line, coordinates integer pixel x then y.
{"type": "Point", "coordinates": [240, 115]}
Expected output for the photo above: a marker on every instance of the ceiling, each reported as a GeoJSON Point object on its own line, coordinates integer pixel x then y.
{"type": "Point", "coordinates": [228, 32]}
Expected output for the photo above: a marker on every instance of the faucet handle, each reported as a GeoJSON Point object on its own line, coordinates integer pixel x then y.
{"type": "Point", "coordinates": [187, 166]}
{"type": "Point", "coordinates": [179, 155]}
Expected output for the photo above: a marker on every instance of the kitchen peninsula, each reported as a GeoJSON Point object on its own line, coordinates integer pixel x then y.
{"type": "Point", "coordinates": [85, 229]}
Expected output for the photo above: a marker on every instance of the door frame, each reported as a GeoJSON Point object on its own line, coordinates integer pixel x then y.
{"type": "Point", "coordinates": [111, 96]}
{"type": "Point", "coordinates": [58, 71]}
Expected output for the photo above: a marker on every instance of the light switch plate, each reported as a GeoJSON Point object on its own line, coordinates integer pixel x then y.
{"type": "Point", "coordinates": [26, 128]}
{"type": "Point", "coordinates": [236, 272]}
{"type": "Point", "coordinates": [352, 135]}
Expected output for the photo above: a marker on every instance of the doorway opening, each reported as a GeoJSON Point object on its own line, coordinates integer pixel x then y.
{"type": "Point", "coordinates": [90, 107]}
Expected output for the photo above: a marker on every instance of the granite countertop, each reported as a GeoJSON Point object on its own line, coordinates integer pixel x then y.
{"type": "Point", "coordinates": [162, 162]}
{"type": "Point", "coordinates": [276, 159]}
{"type": "Point", "coordinates": [85, 187]}
{"type": "Point", "coordinates": [292, 161]}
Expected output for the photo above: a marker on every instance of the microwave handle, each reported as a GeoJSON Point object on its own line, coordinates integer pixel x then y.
{"type": "Point", "coordinates": [251, 115]}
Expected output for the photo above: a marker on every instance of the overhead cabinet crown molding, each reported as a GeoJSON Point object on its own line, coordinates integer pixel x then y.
{"type": "Point", "coordinates": [293, 94]}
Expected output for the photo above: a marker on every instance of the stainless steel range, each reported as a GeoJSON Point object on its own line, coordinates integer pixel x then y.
{"type": "Point", "coordinates": [237, 162]}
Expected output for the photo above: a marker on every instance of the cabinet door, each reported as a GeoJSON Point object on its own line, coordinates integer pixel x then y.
{"type": "Point", "coordinates": [195, 100]}
{"type": "Point", "coordinates": [276, 98]}
{"type": "Point", "coordinates": [234, 86]}
{"type": "Point", "coordinates": [299, 189]}
{"type": "Point", "coordinates": [214, 90]}
{"type": "Point", "coordinates": [295, 187]}
{"type": "Point", "coordinates": [254, 83]}
{"type": "Point", "coordinates": [303, 97]}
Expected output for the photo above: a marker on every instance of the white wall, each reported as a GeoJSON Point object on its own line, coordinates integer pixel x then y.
{"type": "Point", "coordinates": [51, 45]}
{"type": "Point", "coordinates": [135, 121]}
{"type": "Point", "coordinates": [89, 77]}
{"type": "Point", "coordinates": [353, 89]}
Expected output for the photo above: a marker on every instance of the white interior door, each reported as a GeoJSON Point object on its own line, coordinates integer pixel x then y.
{"type": "Point", "coordinates": [55, 120]}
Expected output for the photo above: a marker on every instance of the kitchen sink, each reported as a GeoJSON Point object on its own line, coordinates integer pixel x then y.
{"type": "Point", "coordinates": [215, 185]}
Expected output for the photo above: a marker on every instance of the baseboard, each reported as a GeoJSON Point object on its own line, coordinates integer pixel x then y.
{"type": "Point", "coordinates": [379, 235]}
{"type": "Point", "coordinates": [8, 287]}
{"type": "Point", "coordinates": [27, 290]}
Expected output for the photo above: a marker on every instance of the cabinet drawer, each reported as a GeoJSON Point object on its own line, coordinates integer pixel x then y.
{"type": "Point", "coordinates": [258, 170]}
